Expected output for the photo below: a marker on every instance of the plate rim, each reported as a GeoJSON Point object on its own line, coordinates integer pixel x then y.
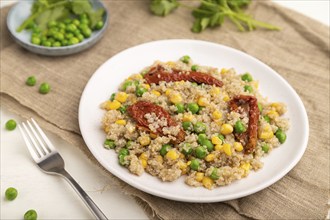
{"type": "Point", "coordinates": [276, 178]}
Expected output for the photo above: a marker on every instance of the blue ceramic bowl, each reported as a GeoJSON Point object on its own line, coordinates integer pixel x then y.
{"type": "Point", "coordinates": [22, 10]}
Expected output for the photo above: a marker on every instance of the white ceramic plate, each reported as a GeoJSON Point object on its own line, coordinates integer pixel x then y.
{"type": "Point", "coordinates": [108, 77]}
{"type": "Point", "coordinates": [22, 11]}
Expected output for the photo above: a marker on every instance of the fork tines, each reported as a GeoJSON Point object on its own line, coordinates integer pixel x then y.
{"type": "Point", "coordinates": [36, 140]}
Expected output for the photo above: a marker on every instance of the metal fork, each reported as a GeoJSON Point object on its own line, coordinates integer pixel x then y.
{"type": "Point", "coordinates": [51, 162]}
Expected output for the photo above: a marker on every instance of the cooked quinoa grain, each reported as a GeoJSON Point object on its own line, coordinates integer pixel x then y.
{"type": "Point", "coordinates": [204, 130]}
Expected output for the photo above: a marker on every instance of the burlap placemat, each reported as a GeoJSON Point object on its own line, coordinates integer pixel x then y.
{"type": "Point", "coordinates": [299, 52]}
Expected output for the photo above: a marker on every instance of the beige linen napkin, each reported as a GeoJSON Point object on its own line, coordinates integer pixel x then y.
{"type": "Point", "coordinates": [299, 52]}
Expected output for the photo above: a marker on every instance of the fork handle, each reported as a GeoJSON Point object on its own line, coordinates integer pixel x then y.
{"type": "Point", "coordinates": [88, 201]}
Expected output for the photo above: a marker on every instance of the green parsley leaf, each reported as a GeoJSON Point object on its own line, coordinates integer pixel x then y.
{"type": "Point", "coordinates": [163, 7]}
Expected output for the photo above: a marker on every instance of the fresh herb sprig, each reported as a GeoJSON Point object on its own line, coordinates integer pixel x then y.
{"type": "Point", "coordinates": [212, 13]}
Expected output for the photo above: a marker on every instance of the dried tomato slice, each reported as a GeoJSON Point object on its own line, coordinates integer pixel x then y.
{"type": "Point", "coordinates": [250, 105]}
{"type": "Point", "coordinates": [138, 111]}
{"type": "Point", "coordinates": [158, 74]}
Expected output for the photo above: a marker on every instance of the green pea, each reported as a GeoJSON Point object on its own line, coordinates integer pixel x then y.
{"type": "Point", "coordinates": [112, 97]}
{"type": "Point", "coordinates": [201, 138]}
{"type": "Point", "coordinates": [194, 67]}
{"type": "Point", "coordinates": [31, 215]}
{"type": "Point", "coordinates": [84, 21]}
{"type": "Point", "coordinates": [122, 160]}
{"type": "Point", "coordinates": [36, 30]}
{"type": "Point", "coordinates": [208, 144]}
{"type": "Point", "coordinates": [31, 25]}
{"type": "Point", "coordinates": [281, 136]}
{"type": "Point", "coordinates": [194, 165]}
{"type": "Point", "coordinates": [109, 144]}
{"type": "Point", "coordinates": [61, 25]}
{"type": "Point", "coordinates": [52, 24]}
{"type": "Point", "coordinates": [186, 149]}
{"type": "Point", "coordinates": [44, 88]}
{"type": "Point", "coordinates": [214, 174]}
{"type": "Point", "coordinates": [187, 126]}
{"type": "Point", "coordinates": [165, 148]}
{"type": "Point", "coordinates": [140, 91]}
{"type": "Point", "coordinates": [123, 109]}
{"type": "Point", "coordinates": [266, 118]}
{"type": "Point", "coordinates": [47, 43]}
{"type": "Point", "coordinates": [76, 22]}
{"type": "Point", "coordinates": [99, 25]}
{"type": "Point", "coordinates": [123, 151]}
{"type": "Point", "coordinates": [11, 193]}
{"type": "Point", "coordinates": [199, 127]}
{"type": "Point", "coordinates": [247, 77]}
{"type": "Point", "coordinates": [67, 21]}
{"type": "Point", "coordinates": [126, 84]}
{"type": "Point", "coordinates": [71, 28]}
{"type": "Point", "coordinates": [59, 36]}
{"type": "Point", "coordinates": [69, 36]}
{"type": "Point", "coordinates": [57, 44]}
{"type": "Point", "coordinates": [248, 88]}
{"type": "Point", "coordinates": [31, 81]}
{"type": "Point", "coordinates": [64, 42]}
{"type": "Point", "coordinates": [265, 148]}
{"type": "Point", "coordinates": [194, 84]}
{"type": "Point", "coordinates": [260, 107]}
{"type": "Point", "coordinates": [185, 59]}
{"type": "Point", "coordinates": [10, 124]}
{"type": "Point", "coordinates": [200, 152]}
{"type": "Point", "coordinates": [193, 107]}
{"type": "Point", "coordinates": [73, 41]}
{"type": "Point", "coordinates": [36, 40]}
{"type": "Point", "coordinates": [51, 40]}
{"type": "Point", "coordinates": [239, 127]}
{"type": "Point", "coordinates": [80, 37]}
{"type": "Point", "coordinates": [87, 32]}
{"type": "Point", "coordinates": [179, 108]}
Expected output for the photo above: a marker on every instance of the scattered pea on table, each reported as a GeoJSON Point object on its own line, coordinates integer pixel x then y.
{"type": "Point", "coordinates": [31, 81]}
{"type": "Point", "coordinates": [44, 88]}
{"type": "Point", "coordinates": [10, 124]}
{"type": "Point", "coordinates": [11, 193]}
{"type": "Point", "coordinates": [31, 215]}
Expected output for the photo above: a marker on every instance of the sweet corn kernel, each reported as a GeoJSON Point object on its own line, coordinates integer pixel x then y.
{"type": "Point", "coordinates": [170, 64]}
{"type": "Point", "coordinates": [279, 107]}
{"type": "Point", "coordinates": [144, 156]}
{"type": "Point", "coordinates": [172, 155]}
{"type": "Point", "coordinates": [199, 176]}
{"type": "Point", "coordinates": [168, 92]}
{"type": "Point", "coordinates": [187, 117]}
{"type": "Point", "coordinates": [202, 101]}
{"type": "Point", "coordinates": [273, 114]}
{"type": "Point", "coordinates": [159, 159]}
{"type": "Point", "coordinates": [226, 98]}
{"type": "Point", "coordinates": [227, 149]}
{"type": "Point", "coordinates": [255, 84]}
{"type": "Point", "coordinates": [153, 135]}
{"type": "Point", "coordinates": [246, 167]}
{"type": "Point", "coordinates": [121, 122]}
{"type": "Point", "coordinates": [210, 157]}
{"type": "Point", "coordinates": [189, 162]}
{"type": "Point", "coordinates": [216, 115]}
{"type": "Point", "coordinates": [175, 98]}
{"type": "Point", "coordinates": [121, 97]}
{"type": "Point", "coordinates": [238, 146]}
{"type": "Point", "coordinates": [226, 129]}
{"type": "Point", "coordinates": [216, 140]}
{"type": "Point", "coordinates": [207, 182]}
{"type": "Point", "coordinates": [155, 92]}
{"type": "Point", "coordinates": [266, 132]}
{"type": "Point", "coordinates": [136, 76]}
{"type": "Point", "coordinates": [112, 105]}
{"type": "Point", "coordinates": [146, 86]}
{"type": "Point", "coordinates": [218, 147]}
{"type": "Point", "coordinates": [215, 91]}
{"type": "Point", "coordinates": [144, 163]}
{"type": "Point", "coordinates": [106, 129]}
{"type": "Point", "coordinates": [224, 71]}
{"type": "Point", "coordinates": [182, 165]}
{"type": "Point", "coordinates": [144, 140]}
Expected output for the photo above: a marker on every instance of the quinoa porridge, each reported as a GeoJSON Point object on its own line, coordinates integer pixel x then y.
{"type": "Point", "coordinates": [180, 118]}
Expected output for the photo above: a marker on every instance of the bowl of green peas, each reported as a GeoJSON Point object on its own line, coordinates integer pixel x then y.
{"type": "Point", "coordinates": [57, 27]}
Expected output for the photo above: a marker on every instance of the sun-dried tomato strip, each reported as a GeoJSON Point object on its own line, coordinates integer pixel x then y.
{"type": "Point", "coordinates": [249, 104]}
{"type": "Point", "coordinates": [158, 74]}
{"type": "Point", "coordinates": [138, 110]}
